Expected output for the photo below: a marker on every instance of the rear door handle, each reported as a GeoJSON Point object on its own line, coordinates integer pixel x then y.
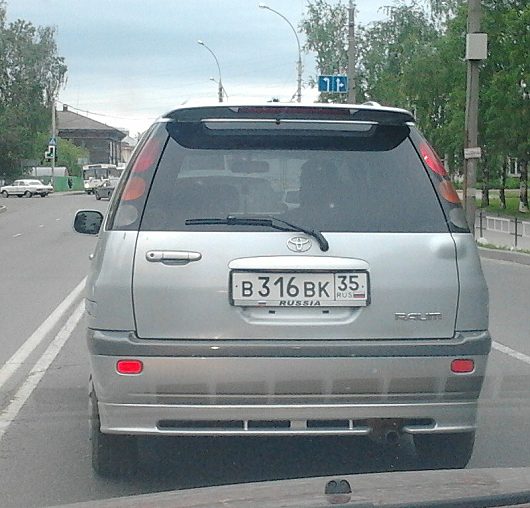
{"type": "Point", "coordinates": [177, 257]}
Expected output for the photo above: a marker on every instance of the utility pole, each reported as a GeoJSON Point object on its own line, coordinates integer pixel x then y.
{"type": "Point", "coordinates": [351, 53]}
{"type": "Point", "coordinates": [476, 51]}
{"type": "Point", "coordinates": [53, 137]}
{"type": "Point", "coordinates": [299, 71]}
{"type": "Point", "coordinates": [220, 91]}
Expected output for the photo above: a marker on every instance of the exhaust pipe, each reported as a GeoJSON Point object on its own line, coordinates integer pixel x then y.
{"type": "Point", "coordinates": [385, 431]}
{"type": "Point", "coordinates": [391, 437]}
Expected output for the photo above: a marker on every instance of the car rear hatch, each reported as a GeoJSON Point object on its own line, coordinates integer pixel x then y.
{"type": "Point", "coordinates": [390, 271]}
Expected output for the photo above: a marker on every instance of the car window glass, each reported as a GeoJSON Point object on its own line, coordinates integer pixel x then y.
{"type": "Point", "coordinates": [347, 190]}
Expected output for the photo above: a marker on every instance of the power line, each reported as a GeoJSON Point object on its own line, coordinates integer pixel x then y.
{"type": "Point", "coordinates": [86, 111]}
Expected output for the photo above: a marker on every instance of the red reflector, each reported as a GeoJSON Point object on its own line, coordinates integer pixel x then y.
{"type": "Point", "coordinates": [147, 157]}
{"type": "Point", "coordinates": [431, 159]}
{"type": "Point", "coordinates": [134, 189]}
{"type": "Point", "coordinates": [129, 366]}
{"type": "Point", "coordinates": [462, 366]}
{"type": "Point", "coordinates": [448, 192]}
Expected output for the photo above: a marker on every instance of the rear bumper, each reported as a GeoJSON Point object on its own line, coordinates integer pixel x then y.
{"type": "Point", "coordinates": [107, 343]}
{"type": "Point", "coordinates": [244, 388]}
{"type": "Point", "coordinates": [287, 420]}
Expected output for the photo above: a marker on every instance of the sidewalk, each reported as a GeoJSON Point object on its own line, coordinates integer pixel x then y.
{"type": "Point", "coordinates": [505, 255]}
{"type": "Point", "coordinates": [68, 193]}
{"type": "Point", "coordinates": [501, 231]}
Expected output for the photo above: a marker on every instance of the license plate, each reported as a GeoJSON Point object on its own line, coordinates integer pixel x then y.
{"type": "Point", "coordinates": [300, 289]}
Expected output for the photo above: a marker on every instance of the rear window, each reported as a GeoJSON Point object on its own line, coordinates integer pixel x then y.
{"type": "Point", "coordinates": [345, 182]}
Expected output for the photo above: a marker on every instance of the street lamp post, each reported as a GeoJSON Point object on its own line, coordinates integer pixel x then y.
{"type": "Point", "coordinates": [299, 63]}
{"type": "Point", "coordinates": [223, 87]}
{"type": "Point", "coordinates": [220, 82]}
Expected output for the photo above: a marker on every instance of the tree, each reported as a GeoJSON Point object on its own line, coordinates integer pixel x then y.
{"type": "Point", "coordinates": [442, 11]}
{"type": "Point", "coordinates": [67, 153]}
{"type": "Point", "coordinates": [415, 59]}
{"type": "Point", "coordinates": [505, 104]}
{"type": "Point", "coordinates": [31, 73]}
{"type": "Point", "coordinates": [397, 57]}
{"type": "Point", "coordinates": [326, 29]}
{"type": "Point", "coordinates": [389, 48]}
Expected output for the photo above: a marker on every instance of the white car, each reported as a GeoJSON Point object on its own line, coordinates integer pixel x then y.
{"type": "Point", "coordinates": [106, 189]}
{"type": "Point", "coordinates": [26, 188]}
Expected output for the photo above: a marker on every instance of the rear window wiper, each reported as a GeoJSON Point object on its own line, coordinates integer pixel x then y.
{"type": "Point", "coordinates": [269, 222]}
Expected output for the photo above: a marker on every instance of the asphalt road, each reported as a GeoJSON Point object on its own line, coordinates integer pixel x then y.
{"type": "Point", "coordinates": [44, 452]}
{"type": "Point", "coordinates": [41, 261]}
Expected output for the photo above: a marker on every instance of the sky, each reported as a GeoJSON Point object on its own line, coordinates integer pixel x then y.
{"type": "Point", "coordinates": [132, 60]}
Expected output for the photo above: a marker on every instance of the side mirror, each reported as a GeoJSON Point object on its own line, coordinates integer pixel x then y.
{"type": "Point", "coordinates": [88, 222]}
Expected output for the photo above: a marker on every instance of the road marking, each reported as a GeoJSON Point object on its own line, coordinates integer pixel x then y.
{"type": "Point", "coordinates": [17, 235]}
{"type": "Point", "coordinates": [41, 225]}
{"type": "Point", "coordinates": [39, 370]}
{"type": "Point", "coordinates": [22, 353]}
{"type": "Point", "coordinates": [511, 352]}
{"type": "Point", "coordinates": [57, 219]}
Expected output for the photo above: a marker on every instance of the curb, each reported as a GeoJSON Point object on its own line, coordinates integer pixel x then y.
{"type": "Point", "coordinates": [505, 255]}
{"type": "Point", "coordinates": [69, 193]}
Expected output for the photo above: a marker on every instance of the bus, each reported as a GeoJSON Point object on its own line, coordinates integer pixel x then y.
{"type": "Point", "coordinates": [95, 174]}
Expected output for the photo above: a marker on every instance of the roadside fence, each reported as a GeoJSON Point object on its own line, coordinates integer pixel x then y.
{"type": "Point", "coordinates": [514, 227]}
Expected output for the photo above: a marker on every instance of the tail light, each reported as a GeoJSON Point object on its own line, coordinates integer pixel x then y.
{"type": "Point", "coordinates": [448, 192]}
{"type": "Point", "coordinates": [126, 211]}
{"type": "Point", "coordinates": [147, 157]}
{"type": "Point", "coordinates": [134, 189]}
{"type": "Point", "coordinates": [431, 159]}
{"type": "Point", "coordinates": [141, 169]}
{"type": "Point", "coordinates": [445, 187]}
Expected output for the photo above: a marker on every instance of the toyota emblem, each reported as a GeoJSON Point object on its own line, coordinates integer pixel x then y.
{"type": "Point", "coordinates": [299, 244]}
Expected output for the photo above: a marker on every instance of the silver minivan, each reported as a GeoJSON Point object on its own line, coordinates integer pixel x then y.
{"type": "Point", "coordinates": [285, 270]}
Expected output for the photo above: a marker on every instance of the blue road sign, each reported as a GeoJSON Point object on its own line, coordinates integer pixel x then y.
{"type": "Point", "coordinates": [333, 84]}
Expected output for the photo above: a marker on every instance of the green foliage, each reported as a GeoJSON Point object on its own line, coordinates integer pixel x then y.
{"type": "Point", "coordinates": [511, 210]}
{"type": "Point", "coordinates": [390, 50]}
{"type": "Point", "coordinates": [31, 73]}
{"type": "Point", "coordinates": [67, 153]}
{"type": "Point", "coordinates": [511, 183]}
{"type": "Point", "coordinates": [326, 30]}
{"type": "Point", "coordinates": [415, 59]}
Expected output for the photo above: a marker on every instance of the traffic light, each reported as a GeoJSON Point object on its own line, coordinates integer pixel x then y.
{"type": "Point", "coordinates": [51, 153]}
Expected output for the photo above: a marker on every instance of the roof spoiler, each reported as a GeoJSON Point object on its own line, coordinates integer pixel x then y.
{"type": "Point", "coordinates": [364, 113]}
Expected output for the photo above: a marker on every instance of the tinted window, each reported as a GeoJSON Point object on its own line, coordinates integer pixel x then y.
{"type": "Point", "coordinates": [344, 183]}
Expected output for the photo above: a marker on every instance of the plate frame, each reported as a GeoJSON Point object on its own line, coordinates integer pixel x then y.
{"type": "Point", "coordinates": [279, 270]}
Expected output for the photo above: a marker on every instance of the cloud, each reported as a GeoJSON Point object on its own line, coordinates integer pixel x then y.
{"type": "Point", "coordinates": [136, 56]}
